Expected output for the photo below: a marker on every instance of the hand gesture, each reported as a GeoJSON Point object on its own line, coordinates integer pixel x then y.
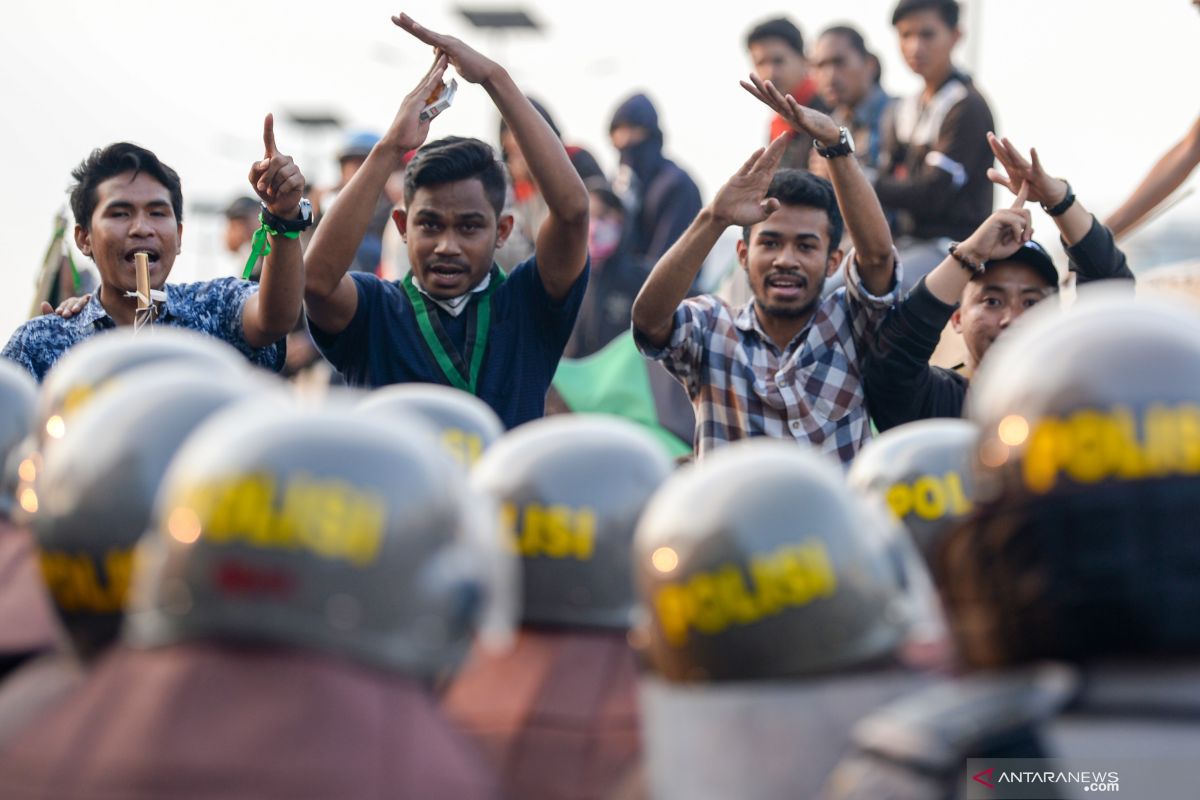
{"type": "Point", "coordinates": [820, 127]}
{"type": "Point", "coordinates": [1017, 172]}
{"type": "Point", "coordinates": [742, 200]}
{"type": "Point", "coordinates": [408, 131]}
{"type": "Point", "coordinates": [276, 178]}
{"type": "Point", "coordinates": [1001, 234]}
{"type": "Point", "coordinates": [472, 66]}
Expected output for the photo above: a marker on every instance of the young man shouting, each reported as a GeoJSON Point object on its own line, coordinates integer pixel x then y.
{"type": "Point", "coordinates": [786, 364]}
{"type": "Point", "coordinates": [126, 202]}
{"type": "Point", "coordinates": [456, 319]}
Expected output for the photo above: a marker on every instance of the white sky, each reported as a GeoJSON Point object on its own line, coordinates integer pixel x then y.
{"type": "Point", "coordinates": [1101, 88]}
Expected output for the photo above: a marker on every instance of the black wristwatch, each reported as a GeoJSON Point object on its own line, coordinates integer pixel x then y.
{"type": "Point", "coordinates": [844, 147]}
{"type": "Point", "coordinates": [280, 225]}
{"type": "Point", "coordinates": [1063, 205]}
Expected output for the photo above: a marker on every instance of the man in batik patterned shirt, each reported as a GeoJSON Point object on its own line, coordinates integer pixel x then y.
{"type": "Point", "coordinates": [126, 202]}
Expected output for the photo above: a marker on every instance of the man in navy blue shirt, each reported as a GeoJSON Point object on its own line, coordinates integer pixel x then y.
{"type": "Point", "coordinates": [456, 319]}
{"type": "Point", "coordinates": [126, 202]}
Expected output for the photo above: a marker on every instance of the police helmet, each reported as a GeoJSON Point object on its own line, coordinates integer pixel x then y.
{"type": "Point", "coordinates": [759, 563]}
{"type": "Point", "coordinates": [571, 488]}
{"type": "Point", "coordinates": [322, 529]}
{"type": "Point", "coordinates": [1083, 540]}
{"type": "Point", "coordinates": [18, 393]}
{"type": "Point", "coordinates": [922, 471]}
{"type": "Point", "coordinates": [466, 425]}
{"type": "Point", "coordinates": [95, 364]}
{"type": "Point", "coordinates": [96, 490]}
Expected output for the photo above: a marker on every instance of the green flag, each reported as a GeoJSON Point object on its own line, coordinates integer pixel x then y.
{"type": "Point", "coordinates": [616, 380]}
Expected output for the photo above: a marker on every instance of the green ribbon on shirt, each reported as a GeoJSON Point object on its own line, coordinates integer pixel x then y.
{"type": "Point", "coordinates": [461, 375]}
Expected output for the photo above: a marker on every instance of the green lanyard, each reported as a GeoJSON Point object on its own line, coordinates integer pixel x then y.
{"type": "Point", "coordinates": [460, 375]}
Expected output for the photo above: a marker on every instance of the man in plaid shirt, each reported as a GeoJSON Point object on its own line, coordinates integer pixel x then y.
{"type": "Point", "coordinates": [787, 364]}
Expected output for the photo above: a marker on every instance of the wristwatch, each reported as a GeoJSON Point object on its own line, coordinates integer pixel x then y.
{"type": "Point", "coordinates": [280, 225]}
{"type": "Point", "coordinates": [844, 147]}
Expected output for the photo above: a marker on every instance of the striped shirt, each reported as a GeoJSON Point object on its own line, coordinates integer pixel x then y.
{"type": "Point", "coordinates": [742, 385]}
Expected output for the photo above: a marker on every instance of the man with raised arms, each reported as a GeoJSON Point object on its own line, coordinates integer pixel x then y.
{"type": "Point", "coordinates": [786, 364]}
{"type": "Point", "coordinates": [456, 319]}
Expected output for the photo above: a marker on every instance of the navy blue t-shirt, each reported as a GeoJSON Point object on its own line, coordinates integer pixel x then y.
{"type": "Point", "coordinates": [528, 331]}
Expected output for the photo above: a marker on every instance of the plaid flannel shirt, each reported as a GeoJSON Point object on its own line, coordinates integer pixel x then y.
{"type": "Point", "coordinates": [742, 385]}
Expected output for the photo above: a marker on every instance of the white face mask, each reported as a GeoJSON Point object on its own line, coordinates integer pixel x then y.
{"type": "Point", "coordinates": [454, 305]}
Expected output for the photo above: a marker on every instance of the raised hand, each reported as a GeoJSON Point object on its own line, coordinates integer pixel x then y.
{"type": "Point", "coordinates": [742, 200]}
{"type": "Point", "coordinates": [803, 119]}
{"type": "Point", "coordinates": [471, 65]}
{"type": "Point", "coordinates": [408, 131]}
{"type": "Point", "coordinates": [1001, 234]}
{"type": "Point", "coordinates": [1018, 171]}
{"type": "Point", "coordinates": [276, 178]}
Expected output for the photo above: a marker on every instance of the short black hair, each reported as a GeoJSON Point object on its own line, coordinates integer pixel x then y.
{"type": "Point", "coordinates": [452, 159]}
{"type": "Point", "coordinates": [117, 159]}
{"type": "Point", "coordinates": [781, 28]}
{"type": "Point", "coordinates": [799, 187]}
{"type": "Point", "coordinates": [946, 9]}
{"type": "Point", "coordinates": [851, 35]}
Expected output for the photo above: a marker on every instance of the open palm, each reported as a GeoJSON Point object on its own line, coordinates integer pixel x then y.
{"type": "Point", "coordinates": [742, 200]}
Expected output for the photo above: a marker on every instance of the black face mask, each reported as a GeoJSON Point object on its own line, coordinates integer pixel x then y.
{"type": "Point", "coordinates": [645, 158]}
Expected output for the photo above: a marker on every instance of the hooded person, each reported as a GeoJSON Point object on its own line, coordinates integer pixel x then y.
{"type": "Point", "coordinates": [1079, 558]}
{"type": "Point", "coordinates": [558, 714]}
{"type": "Point", "coordinates": [661, 197]}
{"type": "Point", "coordinates": [309, 572]}
{"type": "Point", "coordinates": [777, 610]}
{"type": "Point", "coordinates": [92, 501]}
{"type": "Point", "coordinates": [617, 275]}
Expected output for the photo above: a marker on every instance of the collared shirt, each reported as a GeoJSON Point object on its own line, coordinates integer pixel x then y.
{"type": "Point", "coordinates": [210, 307]}
{"type": "Point", "coordinates": [383, 344]}
{"type": "Point", "coordinates": [742, 385]}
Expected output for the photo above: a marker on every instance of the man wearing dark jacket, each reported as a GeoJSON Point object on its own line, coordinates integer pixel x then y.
{"type": "Point", "coordinates": [986, 282]}
{"type": "Point", "coordinates": [662, 198]}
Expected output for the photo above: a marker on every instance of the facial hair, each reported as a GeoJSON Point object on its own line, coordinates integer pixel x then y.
{"type": "Point", "coordinates": [792, 312]}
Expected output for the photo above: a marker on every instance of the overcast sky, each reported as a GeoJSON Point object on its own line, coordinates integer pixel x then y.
{"type": "Point", "coordinates": [1102, 88]}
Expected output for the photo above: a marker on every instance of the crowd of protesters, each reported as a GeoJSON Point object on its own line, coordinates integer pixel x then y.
{"type": "Point", "coordinates": [476, 555]}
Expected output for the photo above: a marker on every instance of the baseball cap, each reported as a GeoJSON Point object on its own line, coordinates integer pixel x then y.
{"type": "Point", "coordinates": [1034, 255]}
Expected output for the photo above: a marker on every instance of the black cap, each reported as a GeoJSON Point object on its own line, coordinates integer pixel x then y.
{"type": "Point", "coordinates": [1034, 255]}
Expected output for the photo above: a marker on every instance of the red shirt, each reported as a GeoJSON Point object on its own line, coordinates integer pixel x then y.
{"type": "Point", "coordinates": [804, 93]}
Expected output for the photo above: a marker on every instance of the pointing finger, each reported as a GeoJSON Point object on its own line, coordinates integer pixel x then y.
{"type": "Point", "coordinates": [269, 135]}
{"type": "Point", "coordinates": [1022, 196]}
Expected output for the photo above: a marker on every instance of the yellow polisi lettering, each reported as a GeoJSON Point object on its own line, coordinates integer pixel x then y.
{"type": "Point", "coordinates": [80, 582]}
{"type": "Point", "coordinates": [929, 497]}
{"type": "Point", "coordinates": [1090, 446]}
{"type": "Point", "coordinates": [558, 531]}
{"type": "Point", "coordinates": [733, 595]}
{"type": "Point", "coordinates": [465, 447]}
{"type": "Point", "coordinates": [329, 518]}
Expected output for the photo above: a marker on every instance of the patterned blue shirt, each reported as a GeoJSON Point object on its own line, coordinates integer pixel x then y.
{"type": "Point", "coordinates": [211, 307]}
